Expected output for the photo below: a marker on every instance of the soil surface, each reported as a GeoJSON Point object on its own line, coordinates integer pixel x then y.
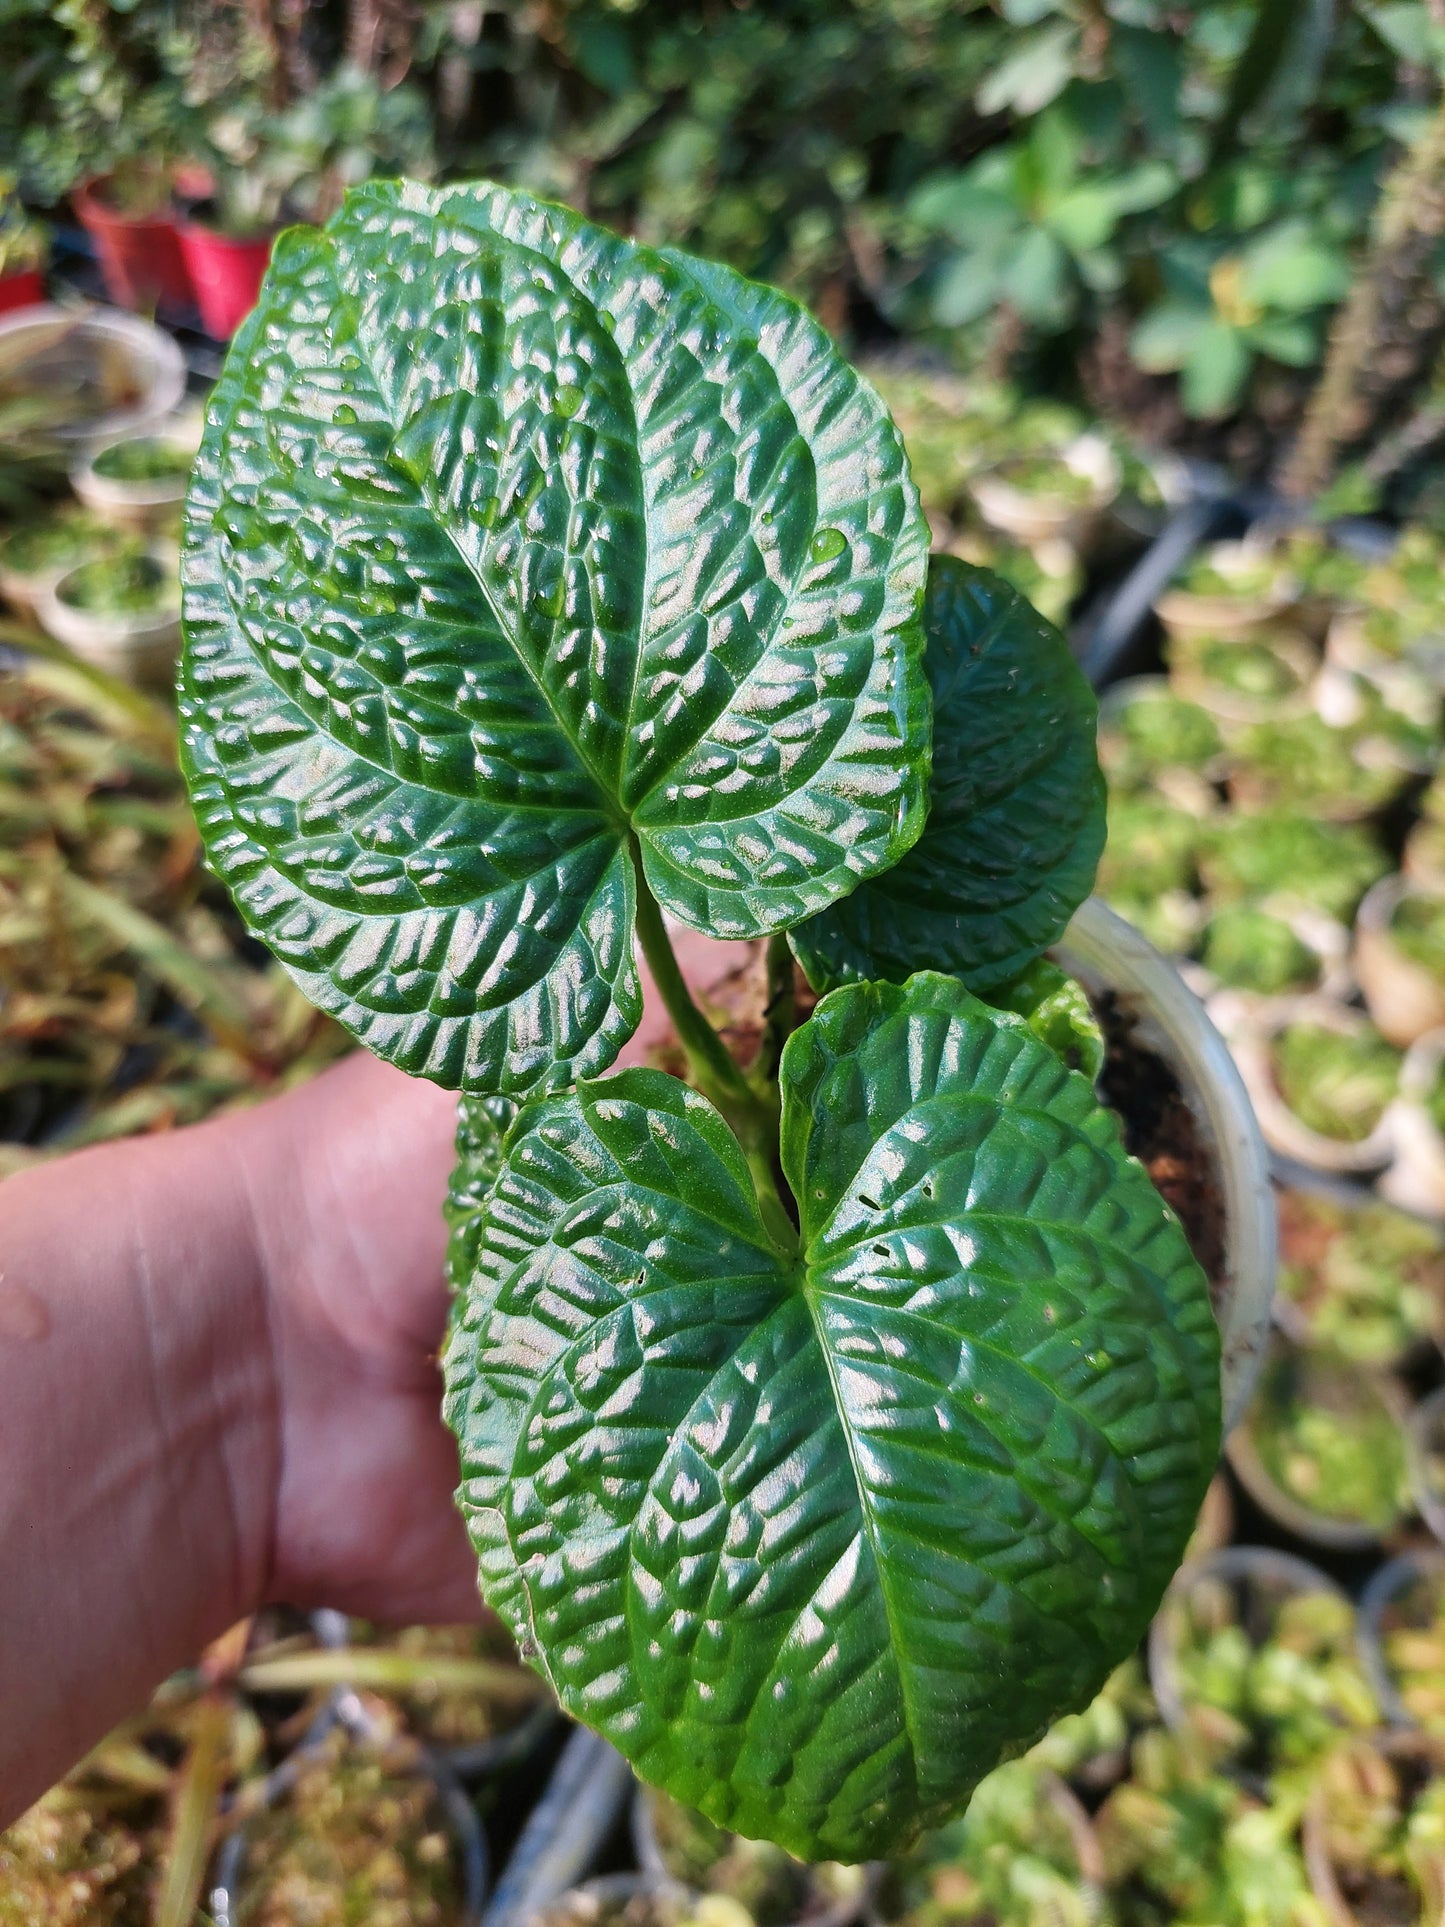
{"type": "Point", "coordinates": [1162, 1132]}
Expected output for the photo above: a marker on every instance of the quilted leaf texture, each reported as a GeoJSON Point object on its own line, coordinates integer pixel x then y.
{"type": "Point", "coordinates": [818, 1536]}
{"type": "Point", "coordinates": [516, 555]}
{"type": "Point", "coordinates": [1016, 818]}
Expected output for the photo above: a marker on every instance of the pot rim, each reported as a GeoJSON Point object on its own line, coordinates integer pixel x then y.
{"type": "Point", "coordinates": [1317, 1528]}
{"type": "Point", "coordinates": [1293, 1573]}
{"type": "Point", "coordinates": [1278, 1122]}
{"type": "Point", "coordinates": [154, 354]}
{"type": "Point", "coordinates": [1101, 946]}
{"type": "Point", "coordinates": [1382, 1587]}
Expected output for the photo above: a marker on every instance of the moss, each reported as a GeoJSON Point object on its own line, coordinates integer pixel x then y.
{"type": "Point", "coordinates": [143, 458]}
{"type": "Point", "coordinates": [1369, 1280]}
{"type": "Point", "coordinates": [1328, 866]}
{"type": "Point", "coordinates": [1253, 950]}
{"type": "Point", "coordinates": [1418, 928]}
{"type": "Point", "coordinates": [1336, 1084]}
{"type": "Point", "coordinates": [130, 584]}
{"type": "Point", "coordinates": [357, 1844]}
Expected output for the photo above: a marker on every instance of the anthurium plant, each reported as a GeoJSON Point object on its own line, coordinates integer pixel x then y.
{"type": "Point", "coordinates": [829, 1423]}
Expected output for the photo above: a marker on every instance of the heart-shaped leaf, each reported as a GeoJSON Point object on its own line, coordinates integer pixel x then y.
{"type": "Point", "coordinates": [817, 1536]}
{"type": "Point", "coordinates": [518, 555]}
{"type": "Point", "coordinates": [1016, 804]}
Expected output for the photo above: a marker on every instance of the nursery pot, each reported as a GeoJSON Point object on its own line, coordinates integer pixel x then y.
{"type": "Point", "coordinates": [1190, 611]}
{"type": "Point", "coordinates": [226, 1893]}
{"type": "Point", "coordinates": [817, 1909]}
{"type": "Point", "coordinates": [140, 260]}
{"type": "Point", "coordinates": [1326, 1530]}
{"type": "Point", "coordinates": [1234, 706]}
{"type": "Point", "coordinates": [1384, 1588]}
{"type": "Point", "coordinates": [225, 275]}
{"type": "Point", "coordinates": [1031, 518]}
{"type": "Point", "coordinates": [26, 289]}
{"type": "Point", "coordinates": [1259, 1572]}
{"type": "Point", "coordinates": [136, 504]}
{"type": "Point", "coordinates": [1419, 1758]}
{"type": "Point", "coordinates": [132, 371]}
{"type": "Point", "coordinates": [1282, 1129]}
{"type": "Point", "coordinates": [1425, 1444]}
{"type": "Point", "coordinates": [1403, 998]}
{"type": "Point", "coordinates": [1107, 954]}
{"type": "Point", "coordinates": [1416, 1178]}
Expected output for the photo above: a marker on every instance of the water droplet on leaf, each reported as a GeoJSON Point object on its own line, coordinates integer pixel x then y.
{"type": "Point", "coordinates": [569, 400]}
{"type": "Point", "coordinates": [344, 413]}
{"type": "Point", "coordinates": [827, 544]}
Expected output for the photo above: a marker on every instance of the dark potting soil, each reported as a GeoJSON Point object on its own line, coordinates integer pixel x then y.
{"type": "Point", "coordinates": [1161, 1131]}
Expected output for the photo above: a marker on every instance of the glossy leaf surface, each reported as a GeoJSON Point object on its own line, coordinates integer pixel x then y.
{"type": "Point", "coordinates": [1016, 804]}
{"type": "Point", "coordinates": [515, 550]}
{"type": "Point", "coordinates": [816, 1536]}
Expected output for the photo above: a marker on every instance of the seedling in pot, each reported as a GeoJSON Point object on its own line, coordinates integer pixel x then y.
{"type": "Point", "coordinates": [1023, 1852]}
{"type": "Point", "coordinates": [1322, 1449]}
{"type": "Point", "coordinates": [1254, 1664]}
{"type": "Point", "coordinates": [1250, 948]}
{"type": "Point", "coordinates": [1303, 764]}
{"type": "Point", "coordinates": [774, 1889]}
{"type": "Point", "coordinates": [133, 582]}
{"type": "Point", "coordinates": [830, 1426]}
{"type": "Point", "coordinates": [1364, 1281]}
{"type": "Point", "coordinates": [1151, 732]}
{"type": "Point", "coordinates": [1336, 1082]}
{"type": "Point", "coordinates": [1324, 866]}
{"type": "Point", "coordinates": [1148, 868]}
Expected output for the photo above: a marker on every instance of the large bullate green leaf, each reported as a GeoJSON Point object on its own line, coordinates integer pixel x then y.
{"type": "Point", "coordinates": [817, 1535]}
{"type": "Point", "coordinates": [1016, 807]}
{"type": "Point", "coordinates": [517, 556]}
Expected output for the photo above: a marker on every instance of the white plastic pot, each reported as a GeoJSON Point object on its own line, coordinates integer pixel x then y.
{"type": "Point", "coordinates": [136, 505]}
{"type": "Point", "coordinates": [1186, 612]}
{"type": "Point", "coordinates": [1283, 1131]}
{"type": "Point", "coordinates": [1257, 1571]}
{"type": "Point", "coordinates": [1106, 953]}
{"type": "Point", "coordinates": [138, 372]}
{"type": "Point", "coordinates": [1187, 678]}
{"type": "Point", "coordinates": [1404, 999]}
{"type": "Point", "coordinates": [1416, 1179]}
{"type": "Point", "coordinates": [1187, 789]}
{"type": "Point", "coordinates": [1321, 1529]}
{"type": "Point", "coordinates": [1234, 1009]}
{"type": "Point", "coordinates": [1384, 1588]}
{"type": "Point", "coordinates": [1033, 518]}
{"type": "Point", "coordinates": [819, 1909]}
{"type": "Point", "coordinates": [141, 647]}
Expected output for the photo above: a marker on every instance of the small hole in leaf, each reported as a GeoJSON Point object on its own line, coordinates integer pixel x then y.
{"type": "Point", "coordinates": [881, 1251]}
{"type": "Point", "coordinates": [928, 1187]}
{"type": "Point", "coordinates": [872, 1203]}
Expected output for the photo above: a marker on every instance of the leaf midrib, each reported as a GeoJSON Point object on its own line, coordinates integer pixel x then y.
{"type": "Point", "coordinates": [611, 806]}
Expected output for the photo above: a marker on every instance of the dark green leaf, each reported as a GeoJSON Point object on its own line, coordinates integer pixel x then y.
{"type": "Point", "coordinates": [1054, 1007]}
{"type": "Point", "coordinates": [816, 1537]}
{"type": "Point", "coordinates": [1016, 816]}
{"type": "Point", "coordinates": [516, 551]}
{"type": "Point", "coordinates": [482, 1126]}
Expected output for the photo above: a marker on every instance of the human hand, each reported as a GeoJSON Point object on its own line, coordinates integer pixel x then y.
{"type": "Point", "coordinates": [344, 1180]}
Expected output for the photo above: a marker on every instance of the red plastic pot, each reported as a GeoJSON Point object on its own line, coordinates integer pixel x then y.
{"type": "Point", "coordinates": [21, 290]}
{"type": "Point", "coordinates": [140, 260]}
{"type": "Point", "coordinates": [225, 275]}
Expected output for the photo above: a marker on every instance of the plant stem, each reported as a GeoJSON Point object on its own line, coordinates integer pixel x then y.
{"type": "Point", "coordinates": [752, 1115]}
{"type": "Point", "coordinates": [780, 1014]}
{"type": "Point", "coordinates": [1390, 323]}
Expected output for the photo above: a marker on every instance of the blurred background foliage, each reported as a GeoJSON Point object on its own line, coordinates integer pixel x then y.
{"type": "Point", "coordinates": [1153, 208]}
